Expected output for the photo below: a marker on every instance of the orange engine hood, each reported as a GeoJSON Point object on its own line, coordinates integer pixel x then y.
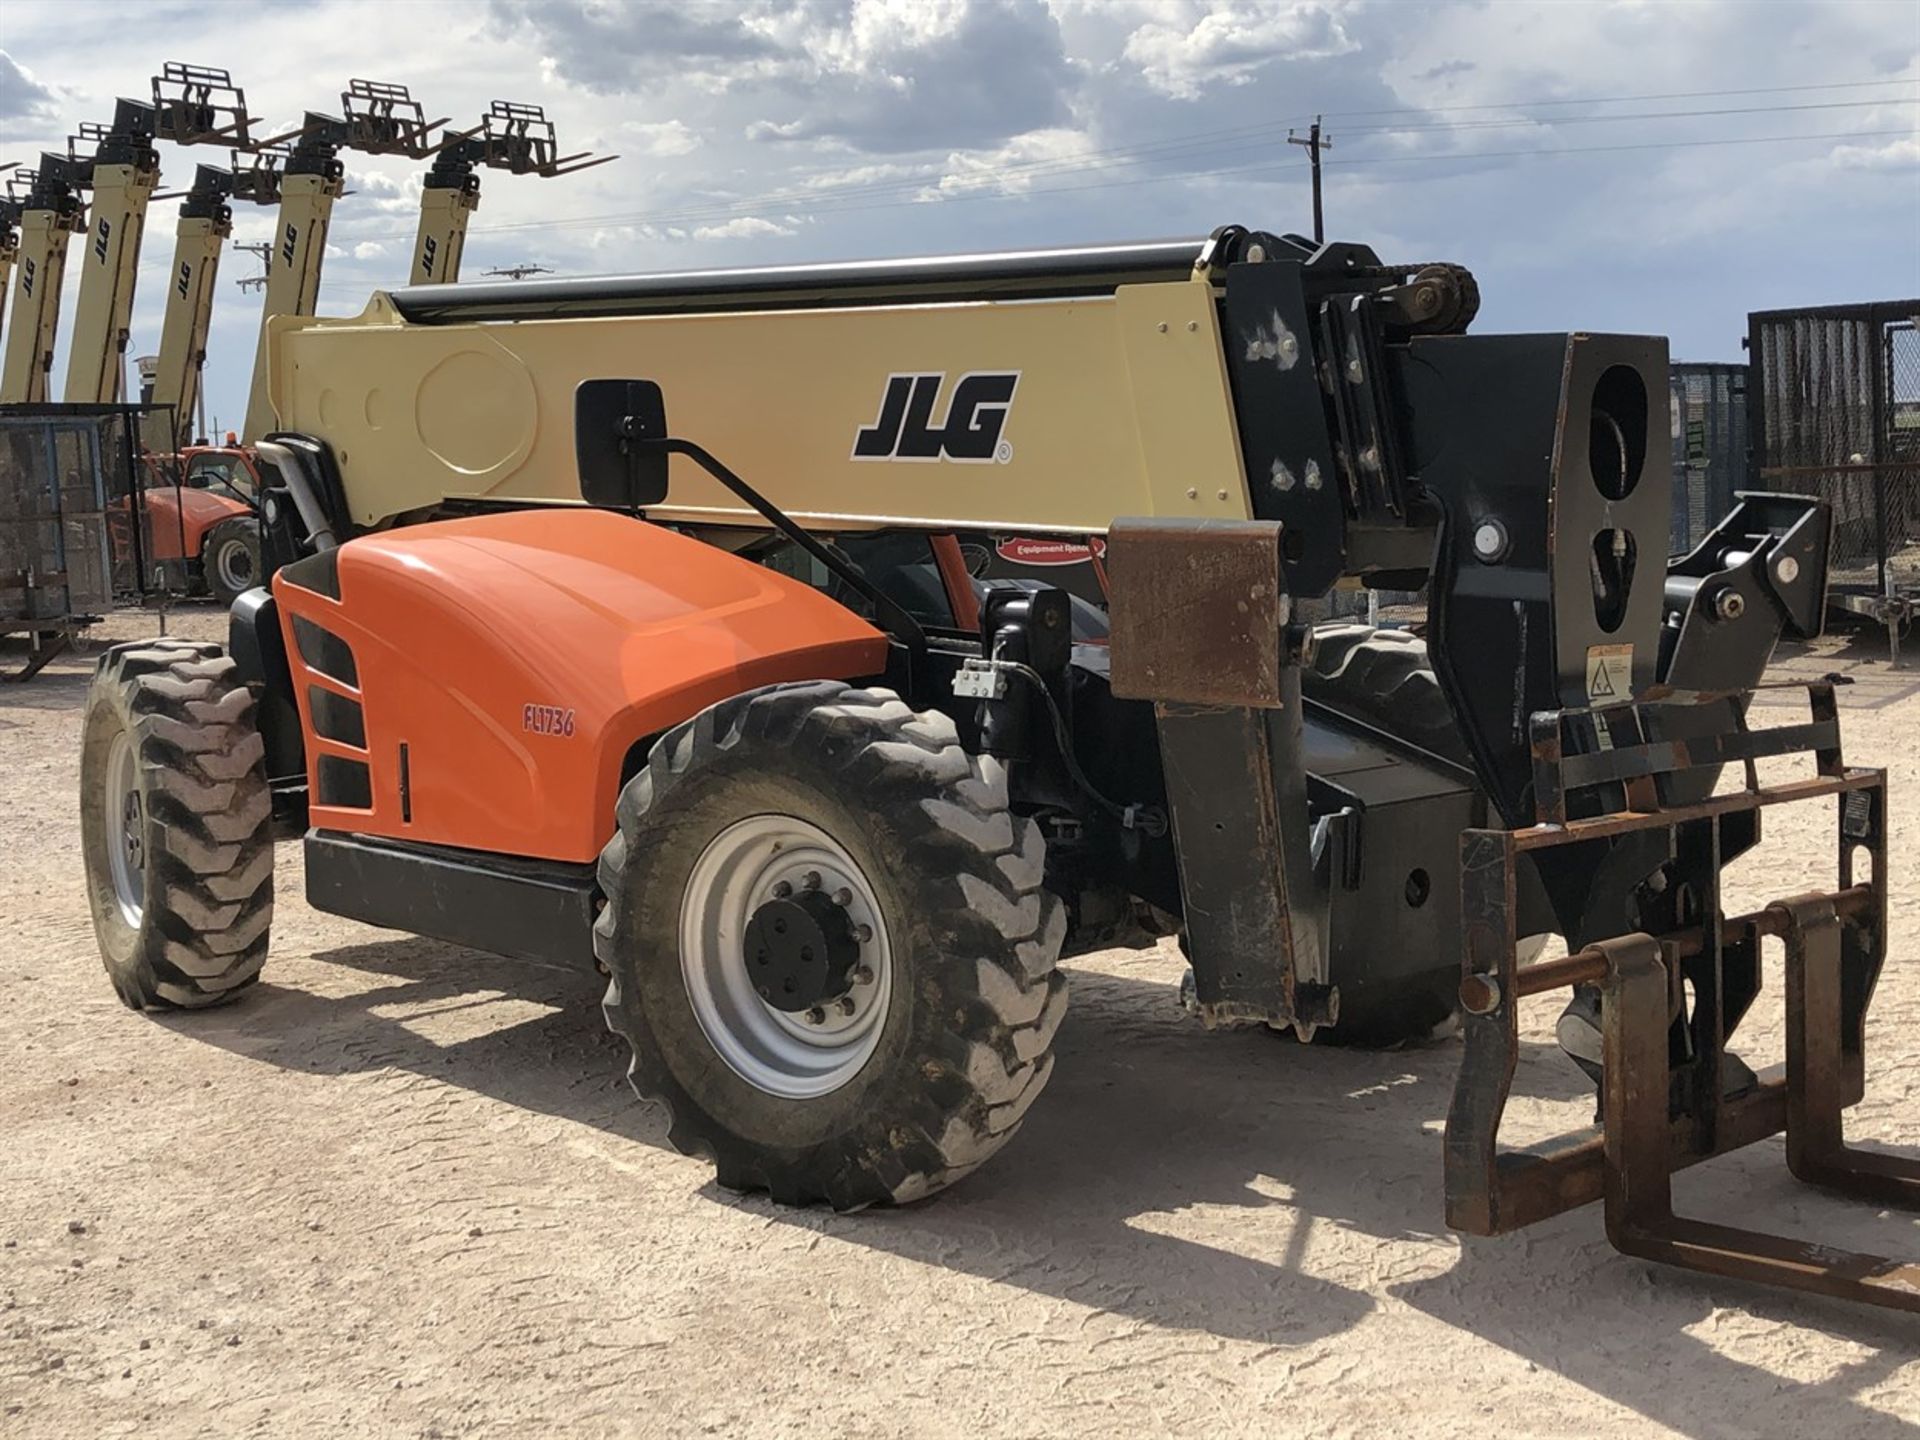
{"type": "Point", "coordinates": [519, 657]}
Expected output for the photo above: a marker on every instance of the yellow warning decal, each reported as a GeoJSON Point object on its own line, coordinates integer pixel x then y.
{"type": "Point", "coordinates": [1609, 674]}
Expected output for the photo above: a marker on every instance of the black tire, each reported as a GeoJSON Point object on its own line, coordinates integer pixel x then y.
{"type": "Point", "coordinates": [965, 1038]}
{"type": "Point", "coordinates": [230, 559]}
{"type": "Point", "coordinates": [201, 817]}
{"type": "Point", "coordinates": [1383, 679]}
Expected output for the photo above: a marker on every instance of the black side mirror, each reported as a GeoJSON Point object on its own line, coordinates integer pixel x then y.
{"type": "Point", "coordinates": [608, 416]}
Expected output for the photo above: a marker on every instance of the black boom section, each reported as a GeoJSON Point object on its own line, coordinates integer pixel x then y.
{"type": "Point", "coordinates": [1009, 275]}
{"type": "Point", "coordinates": [523, 909]}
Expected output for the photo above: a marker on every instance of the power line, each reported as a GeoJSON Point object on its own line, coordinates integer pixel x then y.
{"type": "Point", "coordinates": [822, 196]}
{"type": "Point", "coordinates": [1626, 99]}
{"type": "Point", "coordinates": [1427, 158]}
{"type": "Point", "coordinates": [944, 197]}
{"type": "Point", "coordinates": [1614, 119]}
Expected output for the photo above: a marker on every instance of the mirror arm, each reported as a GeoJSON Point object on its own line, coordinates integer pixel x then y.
{"type": "Point", "coordinates": [893, 617]}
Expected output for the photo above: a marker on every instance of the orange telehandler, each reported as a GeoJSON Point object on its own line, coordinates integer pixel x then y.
{"type": "Point", "coordinates": [629, 622]}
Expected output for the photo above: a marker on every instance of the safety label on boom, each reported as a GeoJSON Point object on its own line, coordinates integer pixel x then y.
{"type": "Point", "coordinates": [1609, 674]}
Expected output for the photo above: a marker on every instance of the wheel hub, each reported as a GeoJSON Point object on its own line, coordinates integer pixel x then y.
{"type": "Point", "coordinates": [126, 831]}
{"type": "Point", "coordinates": [801, 952]}
{"type": "Point", "coordinates": [803, 1022]}
{"type": "Point", "coordinates": [236, 565]}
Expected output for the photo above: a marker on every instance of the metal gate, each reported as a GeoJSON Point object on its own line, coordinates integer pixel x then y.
{"type": "Point", "coordinates": [74, 529]}
{"type": "Point", "coordinates": [1709, 407]}
{"type": "Point", "coordinates": [1834, 403]}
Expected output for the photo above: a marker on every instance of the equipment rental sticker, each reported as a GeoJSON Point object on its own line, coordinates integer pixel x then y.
{"type": "Point", "coordinates": [1609, 673]}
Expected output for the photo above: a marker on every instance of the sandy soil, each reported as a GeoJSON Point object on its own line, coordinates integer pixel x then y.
{"type": "Point", "coordinates": [401, 1189]}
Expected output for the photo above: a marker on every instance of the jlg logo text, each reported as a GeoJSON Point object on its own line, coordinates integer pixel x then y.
{"type": "Point", "coordinates": [971, 432]}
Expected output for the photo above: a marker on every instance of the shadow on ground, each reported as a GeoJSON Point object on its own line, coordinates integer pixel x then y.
{"type": "Point", "coordinates": [1148, 1115]}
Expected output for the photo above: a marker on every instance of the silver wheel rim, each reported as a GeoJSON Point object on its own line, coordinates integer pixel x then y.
{"type": "Point", "coordinates": [234, 564]}
{"type": "Point", "coordinates": [126, 831]}
{"type": "Point", "coordinates": [783, 1054]}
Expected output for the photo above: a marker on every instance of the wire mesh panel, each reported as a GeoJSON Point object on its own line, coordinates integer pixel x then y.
{"type": "Point", "coordinates": [1833, 400]}
{"type": "Point", "coordinates": [1709, 408]}
{"type": "Point", "coordinates": [1901, 438]}
{"type": "Point", "coordinates": [73, 522]}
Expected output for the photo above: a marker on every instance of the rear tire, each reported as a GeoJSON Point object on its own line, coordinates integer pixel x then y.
{"type": "Point", "coordinates": [1383, 679]}
{"type": "Point", "coordinates": [175, 821]}
{"type": "Point", "coordinates": [230, 559]}
{"type": "Point", "coordinates": [962, 996]}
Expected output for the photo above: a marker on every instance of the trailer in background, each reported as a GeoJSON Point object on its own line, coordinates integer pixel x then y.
{"type": "Point", "coordinates": [73, 533]}
{"type": "Point", "coordinates": [1834, 403]}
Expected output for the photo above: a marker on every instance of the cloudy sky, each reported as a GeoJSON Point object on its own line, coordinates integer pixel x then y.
{"type": "Point", "coordinates": [1643, 165]}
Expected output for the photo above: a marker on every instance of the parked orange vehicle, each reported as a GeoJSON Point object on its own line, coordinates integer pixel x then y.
{"type": "Point", "coordinates": [204, 534]}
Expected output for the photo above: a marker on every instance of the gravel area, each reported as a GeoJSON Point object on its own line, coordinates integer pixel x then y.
{"type": "Point", "coordinates": [402, 1189]}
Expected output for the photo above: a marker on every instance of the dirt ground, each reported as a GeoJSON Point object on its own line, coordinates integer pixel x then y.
{"type": "Point", "coordinates": [402, 1189]}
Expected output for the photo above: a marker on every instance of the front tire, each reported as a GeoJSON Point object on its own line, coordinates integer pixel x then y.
{"type": "Point", "coordinates": [231, 560]}
{"type": "Point", "coordinates": [902, 1079]}
{"type": "Point", "coordinates": [175, 821]}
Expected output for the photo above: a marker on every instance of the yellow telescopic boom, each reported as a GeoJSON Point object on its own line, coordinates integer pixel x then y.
{"type": "Point", "coordinates": [49, 216]}
{"type": "Point", "coordinates": [122, 173]}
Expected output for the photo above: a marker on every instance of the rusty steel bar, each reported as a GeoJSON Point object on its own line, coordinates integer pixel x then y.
{"type": "Point", "coordinates": [1820, 1073]}
{"type": "Point", "coordinates": [1589, 966]}
{"type": "Point", "coordinates": [1639, 1179]}
{"type": "Point", "coordinates": [1541, 837]}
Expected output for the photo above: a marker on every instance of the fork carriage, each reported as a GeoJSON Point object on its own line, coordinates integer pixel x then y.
{"type": "Point", "coordinates": [1668, 1098]}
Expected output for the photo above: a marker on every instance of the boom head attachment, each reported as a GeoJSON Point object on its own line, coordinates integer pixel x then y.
{"type": "Point", "coordinates": [200, 105]}
{"type": "Point", "coordinates": [520, 139]}
{"type": "Point", "coordinates": [128, 140]}
{"type": "Point", "coordinates": [55, 186]}
{"type": "Point", "coordinates": [256, 174]}
{"type": "Point", "coordinates": [207, 198]}
{"type": "Point", "coordinates": [314, 147]}
{"type": "Point", "coordinates": [385, 119]}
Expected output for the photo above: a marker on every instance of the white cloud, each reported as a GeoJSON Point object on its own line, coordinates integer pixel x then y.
{"type": "Point", "coordinates": [383, 191]}
{"type": "Point", "coordinates": [1894, 155]}
{"type": "Point", "coordinates": [1189, 46]}
{"type": "Point", "coordinates": [22, 97]}
{"type": "Point", "coordinates": [1040, 157]}
{"type": "Point", "coordinates": [661, 137]}
{"type": "Point", "coordinates": [743, 227]}
{"type": "Point", "coordinates": [1039, 122]}
{"type": "Point", "coordinates": [874, 75]}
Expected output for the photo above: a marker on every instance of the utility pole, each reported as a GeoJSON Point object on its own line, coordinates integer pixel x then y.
{"type": "Point", "coordinates": [519, 272]}
{"type": "Point", "coordinates": [1314, 144]}
{"type": "Point", "coordinates": [264, 249]}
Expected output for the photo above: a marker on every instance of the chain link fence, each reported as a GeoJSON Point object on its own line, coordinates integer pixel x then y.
{"type": "Point", "coordinates": [1834, 400]}
{"type": "Point", "coordinates": [1709, 409]}
{"type": "Point", "coordinates": [76, 531]}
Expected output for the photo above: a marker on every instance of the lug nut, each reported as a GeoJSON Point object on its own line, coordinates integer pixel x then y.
{"type": "Point", "coordinates": [863, 975]}
{"type": "Point", "coordinates": [816, 1016]}
{"type": "Point", "coordinates": [863, 933]}
{"type": "Point", "coordinates": [843, 897]}
{"type": "Point", "coordinates": [847, 1007]}
{"type": "Point", "coordinates": [810, 880]}
{"type": "Point", "coordinates": [782, 890]}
